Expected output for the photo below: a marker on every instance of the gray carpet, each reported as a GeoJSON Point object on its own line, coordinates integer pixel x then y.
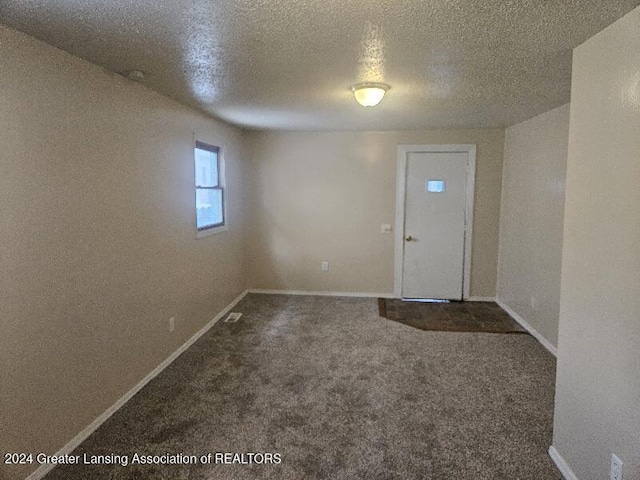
{"type": "Point", "coordinates": [341, 394]}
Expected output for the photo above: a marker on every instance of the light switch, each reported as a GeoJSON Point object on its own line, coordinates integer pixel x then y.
{"type": "Point", "coordinates": [386, 228]}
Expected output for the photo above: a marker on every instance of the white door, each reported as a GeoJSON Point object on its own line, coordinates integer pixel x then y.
{"type": "Point", "coordinates": [435, 217]}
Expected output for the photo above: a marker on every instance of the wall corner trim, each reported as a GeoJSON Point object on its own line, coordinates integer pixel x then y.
{"type": "Point", "coordinates": [564, 468]}
{"type": "Point", "coordinates": [93, 426]}
{"type": "Point", "coordinates": [480, 299]}
{"type": "Point", "coordinates": [537, 335]}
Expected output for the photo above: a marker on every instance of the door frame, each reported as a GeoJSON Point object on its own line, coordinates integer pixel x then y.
{"type": "Point", "coordinates": [403, 152]}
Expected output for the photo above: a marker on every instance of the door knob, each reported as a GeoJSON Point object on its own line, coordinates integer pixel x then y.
{"type": "Point", "coordinates": [409, 238]}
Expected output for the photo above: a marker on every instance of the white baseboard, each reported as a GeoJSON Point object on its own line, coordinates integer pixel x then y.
{"type": "Point", "coordinates": [537, 335]}
{"type": "Point", "coordinates": [347, 294]}
{"type": "Point", "coordinates": [481, 299]}
{"type": "Point", "coordinates": [322, 293]}
{"type": "Point", "coordinates": [93, 426]}
{"type": "Point", "coordinates": [564, 468]}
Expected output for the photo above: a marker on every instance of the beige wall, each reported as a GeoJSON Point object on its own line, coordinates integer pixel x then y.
{"type": "Point", "coordinates": [97, 240]}
{"type": "Point", "coordinates": [324, 196]}
{"type": "Point", "coordinates": [598, 382]}
{"type": "Point", "coordinates": [531, 219]}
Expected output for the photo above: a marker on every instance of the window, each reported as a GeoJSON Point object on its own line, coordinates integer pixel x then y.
{"type": "Point", "coordinates": [209, 188]}
{"type": "Point", "coordinates": [435, 186]}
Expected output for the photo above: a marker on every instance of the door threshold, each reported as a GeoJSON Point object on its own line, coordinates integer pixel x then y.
{"type": "Point", "coordinates": [425, 300]}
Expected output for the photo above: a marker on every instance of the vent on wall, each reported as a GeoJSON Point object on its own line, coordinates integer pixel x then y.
{"type": "Point", "coordinates": [233, 317]}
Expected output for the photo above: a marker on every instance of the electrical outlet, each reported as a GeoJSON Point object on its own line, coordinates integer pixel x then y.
{"type": "Point", "coordinates": [172, 324]}
{"type": "Point", "coordinates": [325, 266]}
{"type": "Point", "coordinates": [616, 467]}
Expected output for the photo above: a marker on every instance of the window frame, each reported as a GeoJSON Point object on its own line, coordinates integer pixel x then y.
{"type": "Point", "coordinates": [222, 226]}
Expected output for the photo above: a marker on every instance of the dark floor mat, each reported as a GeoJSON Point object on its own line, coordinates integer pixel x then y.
{"type": "Point", "coordinates": [450, 317]}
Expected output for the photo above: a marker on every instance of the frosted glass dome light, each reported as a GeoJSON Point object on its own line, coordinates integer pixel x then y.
{"type": "Point", "coordinates": [369, 94]}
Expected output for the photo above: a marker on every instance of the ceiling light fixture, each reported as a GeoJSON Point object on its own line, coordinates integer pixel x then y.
{"type": "Point", "coordinates": [369, 94]}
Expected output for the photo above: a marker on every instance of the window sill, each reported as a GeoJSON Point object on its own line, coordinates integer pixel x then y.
{"type": "Point", "coordinates": [211, 231]}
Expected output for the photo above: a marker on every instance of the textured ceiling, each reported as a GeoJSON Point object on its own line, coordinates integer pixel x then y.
{"type": "Point", "coordinates": [288, 64]}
